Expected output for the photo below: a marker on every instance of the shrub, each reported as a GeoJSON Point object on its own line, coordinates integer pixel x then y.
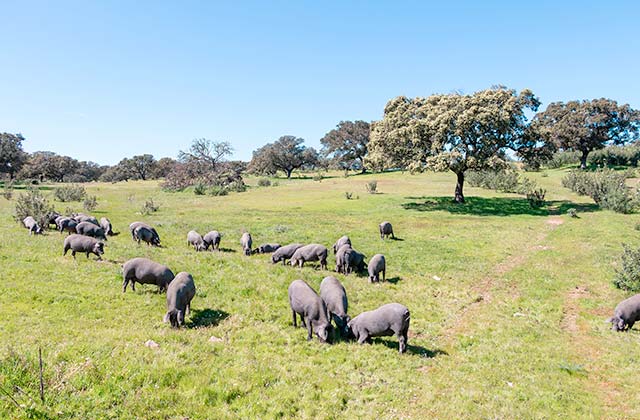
{"type": "Point", "coordinates": [372, 187]}
{"type": "Point", "coordinates": [606, 187]}
{"type": "Point", "coordinates": [149, 207]}
{"type": "Point", "coordinates": [200, 189]}
{"type": "Point", "coordinates": [7, 190]}
{"type": "Point", "coordinates": [90, 203]}
{"type": "Point", "coordinates": [264, 182]}
{"type": "Point", "coordinates": [536, 197]}
{"type": "Point", "coordinates": [627, 277]}
{"type": "Point", "coordinates": [562, 159]}
{"type": "Point", "coordinates": [616, 156]}
{"type": "Point", "coordinates": [504, 181]}
{"type": "Point", "coordinates": [318, 177]}
{"type": "Point", "coordinates": [33, 203]}
{"type": "Point", "coordinates": [217, 190]}
{"type": "Point", "coordinates": [237, 186]}
{"type": "Point", "coordinates": [348, 195]}
{"type": "Point", "coordinates": [572, 213]}
{"type": "Point", "coordinates": [70, 193]}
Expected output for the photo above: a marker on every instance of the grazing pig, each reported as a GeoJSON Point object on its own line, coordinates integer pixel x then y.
{"type": "Point", "coordinates": [626, 314]}
{"type": "Point", "coordinates": [80, 217]}
{"type": "Point", "coordinates": [145, 234]}
{"type": "Point", "coordinates": [377, 265]}
{"type": "Point", "coordinates": [67, 224]}
{"type": "Point", "coordinates": [105, 224]}
{"type": "Point", "coordinates": [81, 243]}
{"type": "Point", "coordinates": [145, 271]}
{"type": "Point", "coordinates": [385, 230]}
{"type": "Point", "coordinates": [31, 224]}
{"type": "Point", "coordinates": [284, 253]}
{"type": "Point", "coordinates": [389, 319]}
{"type": "Point", "coordinates": [341, 263]}
{"type": "Point", "coordinates": [353, 260]}
{"type": "Point", "coordinates": [89, 229]}
{"type": "Point", "coordinates": [133, 226]}
{"type": "Point", "coordinates": [342, 241]}
{"type": "Point", "coordinates": [267, 248]}
{"type": "Point", "coordinates": [212, 239]}
{"type": "Point", "coordinates": [246, 243]}
{"type": "Point", "coordinates": [305, 302]}
{"type": "Point", "coordinates": [335, 297]}
{"type": "Point", "coordinates": [179, 294]}
{"type": "Point", "coordinates": [311, 252]}
{"type": "Point", "coordinates": [195, 240]}
{"type": "Point", "coordinates": [51, 217]}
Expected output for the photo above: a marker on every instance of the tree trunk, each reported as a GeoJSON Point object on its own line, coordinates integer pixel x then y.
{"type": "Point", "coordinates": [288, 171]}
{"type": "Point", "coordinates": [459, 198]}
{"type": "Point", "coordinates": [583, 159]}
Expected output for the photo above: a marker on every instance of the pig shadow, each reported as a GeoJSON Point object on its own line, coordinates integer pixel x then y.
{"type": "Point", "coordinates": [392, 280]}
{"type": "Point", "coordinates": [201, 318]}
{"type": "Point", "coordinates": [412, 349]}
{"type": "Point", "coordinates": [225, 250]}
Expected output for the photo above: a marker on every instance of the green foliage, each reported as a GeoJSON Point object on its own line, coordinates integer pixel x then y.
{"type": "Point", "coordinates": [70, 193]}
{"type": "Point", "coordinates": [627, 275]}
{"type": "Point", "coordinates": [628, 155]}
{"type": "Point", "coordinates": [562, 159]}
{"type": "Point", "coordinates": [349, 195]}
{"type": "Point", "coordinates": [346, 145]}
{"type": "Point", "coordinates": [90, 203]}
{"type": "Point", "coordinates": [7, 190]}
{"type": "Point", "coordinates": [218, 190]}
{"type": "Point", "coordinates": [33, 203]}
{"type": "Point", "coordinates": [318, 177]}
{"type": "Point", "coordinates": [264, 182]}
{"type": "Point", "coordinates": [372, 187]}
{"type": "Point", "coordinates": [606, 187]}
{"type": "Point", "coordinates": [504, 181]}
{"type": "Point", "coordinates": [572, 212]}
{"type": "Point", "coordinates": [200, 189]}
{"type": "Point", "coordinates": [149, 207]}
{"type": "Point", "coordinates": [535, 197]}
{"type": "Point", "coordinates": [286, 154]}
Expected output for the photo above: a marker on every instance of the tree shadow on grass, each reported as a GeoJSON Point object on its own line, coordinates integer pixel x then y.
{"type": "Point", "coordinates": [206, 318]}
{"type": "Point", "coordinates": [411, 349]}
{"type": "Point", "coordinates": [495, 206]}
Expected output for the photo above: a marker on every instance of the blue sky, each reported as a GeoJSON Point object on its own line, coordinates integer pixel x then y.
{"type": "Point", "coordinates": [104, 80]}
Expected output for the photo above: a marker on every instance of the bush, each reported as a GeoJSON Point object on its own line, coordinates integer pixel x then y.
{"type": "Point", "coordinates": [7, 190]}
{"type": "Point", "coordinates": [318, 177]}
{"type": "Point", "coordinates": [264, 182]}
{"type": "Point", "coordinates": [70, 193]}
{"type": "Point", "coordinates": [149, 207]}
{"type": "Point", "coordinates": [372, 187]}
{"type": "Point", "coordinates": [504, 181]}
{"type": "Point", "coordinates": [562, 159]}
{"type": "Point", "coordinates": [606, 187]}
{"type": "Point", "coordinates": [200, 189]}
{"type": "Point", "coordinates": [572, 213]}
{"type": "Point", "coordinates": [616, 156]}
{"type": "Point", "coordinates": [535, 197]}
{"type": "Point", "coordinates": [348, 195]}
{"type": "Point", "coordinates": [237, 186]}
{"type": "Point", "coordinates": [90, 203]}
{"type": "Point", "coordinates": [34, 204]}
{"type": "Point", "coordinates": [217, 190]}
{"type": "Point", "coordinates": [627, 277]}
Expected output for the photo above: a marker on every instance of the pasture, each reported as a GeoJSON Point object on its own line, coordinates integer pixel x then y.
{"type": "Point", "coordinates": [507, 308]}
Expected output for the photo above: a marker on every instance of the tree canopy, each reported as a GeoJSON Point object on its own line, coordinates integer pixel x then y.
{"type": "Point", "coordinates": [451, 132]}
{"type": "Point", "coordinates": [12, 156]}
{"type": "Point", "coordinates": [584, 126]}
{"type": "Point", "coordinates": [286, 154]}
{"type": "Point", "coordinates": [346, 145]}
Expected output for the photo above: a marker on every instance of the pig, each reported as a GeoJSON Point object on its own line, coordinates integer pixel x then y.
{"type": "Point", "coordinates": [377, 265]}
{"type": "Point", "coordinates": [284, 253]}
{"type": "Point", "coordinates": [389, 319]}
{"type": "Point", "coordinates": [311, 252]}
{"type": "Point", "coordinates": [80, 217]}
{"type": "Point", "coordinates": [33, 226]}
{"type": "Point", "coordinates": [353, 260]}
{"type": "Point", "coordinates": [81, 243]}
{"type": "Point", "coordinates": [145, 271]}
{"type": "Point", "coordinates": [305, 302]}
{"type": "Point", "coordinates": [67, 224]}
{"type": "Point", "coordinates": [385, 230]}
{"type": "Point", "coordinates": [195, 240]}
{"type": "Point", "coordinates": [626, 314]}
{"type": "Point", "coordinates": [335, 298]}
{"type": "Point", "coordinates": [89, 229]}
{"type": "Point", "coordinates": [179, 295]}
{"type": "Point", "coordinates": [143, 233]}
{"type": "Point", "coordinates": [133, 226]}
{"type": "Point", "coordinates": [246, 243]}
{"type": "Point", "coordinates": [51, 217]}
{"type": "Point", "coordinates": [341, 263]}
{"type": "Point", "coordinates": [342, 241]}
{"type": "Point", "coordinates": [212, 239]}
{"type": "Point", "coordinates": [267, 248]}
{"type": "Point", "coordinates": [105, 224]}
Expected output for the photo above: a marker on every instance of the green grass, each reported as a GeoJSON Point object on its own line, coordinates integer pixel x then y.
{"type": "Point", "coordinates": [513, 328]}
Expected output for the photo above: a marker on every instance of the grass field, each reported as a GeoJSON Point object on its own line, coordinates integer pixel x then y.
{"type": "Point", "coordinates": [507, 308]}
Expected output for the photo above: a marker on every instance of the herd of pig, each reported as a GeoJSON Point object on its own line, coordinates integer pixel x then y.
{"type": "Point", "coordinates": [316, 312]}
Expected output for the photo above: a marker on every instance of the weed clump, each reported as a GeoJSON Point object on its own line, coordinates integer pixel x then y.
{"type": "Point", "coordinates": [33, 203]}
{"type": "Point", "coordinates": [372, 187]}
{"type": "Point", "coordinates": [149, 207]}
{"type": "Point", "coordinates": [606, 187]}
{"type": "Point", "coordinates": [90, 203]}
{"type": "Point", "coordinates": [70, 193]}
{"type": "Point", "coordinates": [627, 277]}
{"type": "Point", "coordinates": [264, 182]}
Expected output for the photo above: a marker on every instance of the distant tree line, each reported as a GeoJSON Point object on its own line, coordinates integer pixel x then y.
{"type": "Point", "coordinates": [442, 132]}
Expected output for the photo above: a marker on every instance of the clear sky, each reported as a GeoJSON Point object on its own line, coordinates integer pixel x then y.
{"type": "Point", "coordinates": [103, 80]}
